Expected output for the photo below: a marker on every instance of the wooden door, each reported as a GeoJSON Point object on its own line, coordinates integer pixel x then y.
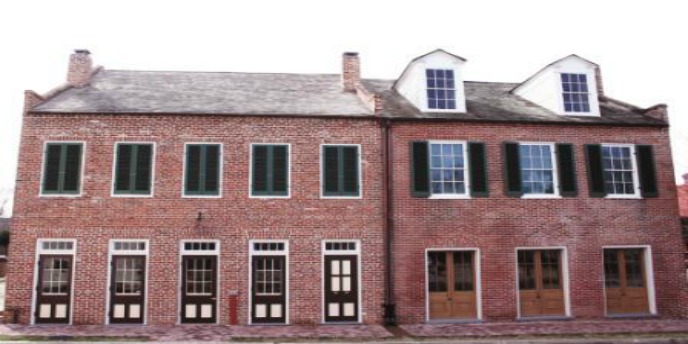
{"type": "Point", "coordinates": [54, 289]}
{"type": "Point", "coordinates": [451, 285]}
{"type": "Point", "coordinates": [127, 289]}
{"type": "Point", "coordinates": [625, 281]}
{"type": "Point", "coordinates": [268, 289]}
{"type": "Point", "coordinates": [341, 288]}
{"type": "Point", "coordinates": [199, 289]}
{"type": "Point", "coordinates": [541, 291]}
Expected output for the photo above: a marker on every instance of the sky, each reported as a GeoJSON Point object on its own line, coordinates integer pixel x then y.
{"type": "Point", "coordinates": [638, 44]}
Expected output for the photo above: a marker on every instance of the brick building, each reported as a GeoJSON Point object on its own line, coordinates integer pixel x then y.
{"type": "Point", "coordinates": [239, 198]}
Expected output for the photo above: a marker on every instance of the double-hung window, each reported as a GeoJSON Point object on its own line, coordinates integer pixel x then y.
{"type": "Point", "coordinates": [62, 168]}
{"type": "Point", "coordinates": [270, 170]}
{"type": "Point", "coordinates": [448, 169]}
{"type": "Point", "coordinates": [441, 91]}
{"type": "Point", "coordinates": [621, 171]}
{"type": "Point", "coordinates": [202, 169]}
{"type": "Point", "coordinates": [341, 171]}
{"type": "Point", "coordinates": [575, 92]}
{"type": "Point", "coordinates": [539, 170]}
{"type": "Point", "coordinates": [133, 169]}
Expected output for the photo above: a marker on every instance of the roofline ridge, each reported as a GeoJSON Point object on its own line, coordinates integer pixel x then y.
{"type": "Point", "coordinates": [216, 72]}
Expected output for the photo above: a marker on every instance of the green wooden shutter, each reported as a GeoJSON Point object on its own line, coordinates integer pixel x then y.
{"type": "Point", "coordinates": [72, 168]}
{"type": "Point", "coordinates": [212, 170]}
{"type": "Point", "coordinates": [51, 174]}
{"type": "Point", "coordinates": [566, 166]}
{"type": "Point", "coordinates": [646, 171]}
{"type": "Point", "coordinates": [123, 167]}
{"type": "Point", "coordinates": [593, 155]}
{"type": "Point", "coordinates": [280, 163]}
{"type": "Point", "coordinates": [143, 168]}
{"type": "Point", "coordinates": [193, 169]}
{"type": "Point", "coordinates": [349, 172]}
{"type": "Point", "coordinates": [478, 169]}
{"type": "Point", "coordinates": [512, 170]}
{"type": "Point", "coordinates": [420, 169]}
{"type": "Point", "coordinates": [259, 185]}
{"type": "Point", "coordinates": [331, 170]}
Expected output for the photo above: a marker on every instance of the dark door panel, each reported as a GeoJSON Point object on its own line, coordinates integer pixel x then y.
{"type": "Point", "coordinates": [127, 289]}
{"type": "Point", "coordinates": [199, 289]}
{"type": "Point", "coordinates": [341, 288]}
{"type": "Point", "coordinates": [54, 289]}
{"type": "Point", "coordinates": [268, 288]}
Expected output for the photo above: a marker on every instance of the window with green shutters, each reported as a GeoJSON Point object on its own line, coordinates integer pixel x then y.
{"type": "Point", "coordinates": [448, 169]}
{"type": "Point", "coordinates": [270, 170]}
{"type": "Point", "coordinates": [340, 171]}
{"type": "Point", "coordinates": [202, 170]}
{"type": "Point", "coordinates": [133, 169]}
{"type": "Point", "coordinates": [62, 169]}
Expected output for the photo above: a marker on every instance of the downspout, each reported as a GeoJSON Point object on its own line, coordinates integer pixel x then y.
{"type": "Point", "coordinates": [389, 315]}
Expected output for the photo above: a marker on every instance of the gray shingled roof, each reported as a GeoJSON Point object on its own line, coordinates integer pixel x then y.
{"type": "Point", "coordinates": [113, 91]}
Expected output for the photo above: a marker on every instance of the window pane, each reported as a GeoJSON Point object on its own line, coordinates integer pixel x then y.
{"type": "Point", "coordinates": [447, 168]}
{"type": "Point", "coordinates": [437, 271]}
{"type": "Point", "coordinates": [537, 172]}
{"type": "Point", "coordinates": [618, 170]}
{"type": "Point", "coordinates": [575, 92]}
{"type": "Point", "coordinates": [440, 89]}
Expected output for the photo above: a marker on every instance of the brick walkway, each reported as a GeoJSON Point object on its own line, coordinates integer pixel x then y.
{"type": "Point", "coordinates": [558, 328]}
{"type": "Point", "coordinates": [488, 331]}
{"type": "Point", "coordinates": [189, 333]}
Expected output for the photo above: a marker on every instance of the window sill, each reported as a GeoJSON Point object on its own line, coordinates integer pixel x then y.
{"type": "Point", "coordinates": [270, 196]}
{"type": "Point", "coordinates": [340, 197]}
{"type": "Point", "coordinates": [453, 321]}
{"type": "Point", "coordinates": [623, 197]}
{"type": "Point", "coordinates": [632, 316]}
{"type": "Point", "coordinates": [449, 196]}
{"type": "Point", "coordinates": [540, 196]}
{"type": "Point", "coordinates": [59, 195]}
{"type": "Point", "coordinates": [202, 196]}
{"type": "Point", "coordinates": [132, 196]}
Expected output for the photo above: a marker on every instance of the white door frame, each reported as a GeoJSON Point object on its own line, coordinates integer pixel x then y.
{"type": "Point", "coordinates": [285, 254]}
{"type": "Point", "coordinates": [477, 282]}
{"type": "Point", "coordinates": [50, 251]}
{"type": "Point", "coordinates": [649, 277]}
{"type": "Point", "coordinates": [112, 252]}
{"type": "Point", "coordinates": [565, 281]}
{"type": "Point", "coordinates": [355, 252]}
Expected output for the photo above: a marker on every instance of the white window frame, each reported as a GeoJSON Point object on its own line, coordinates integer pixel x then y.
{"type": "Point", "coordinates": [555, 170]}
{"type": "Point", "coordinates": [113, 252]}
{"type": "Point", "coordinates": [81, 173]}
{"type": "Point", "coordinates": [355, 252]}
{"type": "Point", "coordinates": [41, 251]}
{"type": "Point", "coordinates": [250, 169]}
{"type": "Point", "coordinates": [220, 172]}
{"type": "Point", "coordinates": [592, 92]}
{"type": "Point", "coordinates": [649, 276]}
{"type": "Point", "coordinates": [565, 281]}
{"type": "Point", "coordinates": [477, 284]}
{"type": "Point", "coordinates": [425, 89]}
{"type": "Point", "coordinates": [322, 171]}
{"type": "Point", "coordinates": [114, 170]}
{"type": "Point", "coordinates": [285, 254]}
{"type": "Point", "coordinates": [634, 165]}
{"type": "Point", "coordinates": [466, 170]}
{"type": "Point", "coordinates": [183, 252]}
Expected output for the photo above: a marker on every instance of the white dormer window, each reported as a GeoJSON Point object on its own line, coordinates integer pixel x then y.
{"type": "Point", "coordinates": [566, 87]}
{"type": "Point", "coordinates": [441, 89]}
{"type": "Point", "coordinates": [575, 92]}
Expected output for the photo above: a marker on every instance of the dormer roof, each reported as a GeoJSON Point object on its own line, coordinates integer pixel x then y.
{"type": "Point", "coordinates": [436, 51]}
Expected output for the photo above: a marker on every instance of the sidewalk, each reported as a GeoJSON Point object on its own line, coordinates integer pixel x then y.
{"type": "Point", "coordinates": [564, 332]}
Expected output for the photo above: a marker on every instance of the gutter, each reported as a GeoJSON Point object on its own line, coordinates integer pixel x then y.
{"type": "Point", "coordinates": [389, 308]}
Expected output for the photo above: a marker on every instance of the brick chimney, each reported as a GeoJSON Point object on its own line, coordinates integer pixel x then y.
{"type": "Point", "coordinates": [80, 68]}
{"type": "Point", "coordinates": [351, 71]}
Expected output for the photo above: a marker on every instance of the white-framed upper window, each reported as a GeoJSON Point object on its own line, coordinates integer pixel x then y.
{"type": "Point", "coordinates": [575, 92]}
{"type": "Point", "coordinates": [340, 174]}
{"type": "Point", "coordinates": [133, 169]}
{"type": "Point", "coordinates": [63, 168]}
{"type": "Point", "coordinates": [538, 169]}
{"type": "Point", "coordinates": [448, 169]}
{"type": "Point", "coordinates": [441, 89]}
{"type": "Point", "coordinates": [620, 171]}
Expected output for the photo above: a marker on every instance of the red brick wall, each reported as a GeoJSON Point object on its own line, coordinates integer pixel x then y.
{"type": "Point", "coordinates": [497, 225]}
{"type": "Point", "coordinates": [683, 199]}
{"type": "Point", "coordinates": [305, 219]}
